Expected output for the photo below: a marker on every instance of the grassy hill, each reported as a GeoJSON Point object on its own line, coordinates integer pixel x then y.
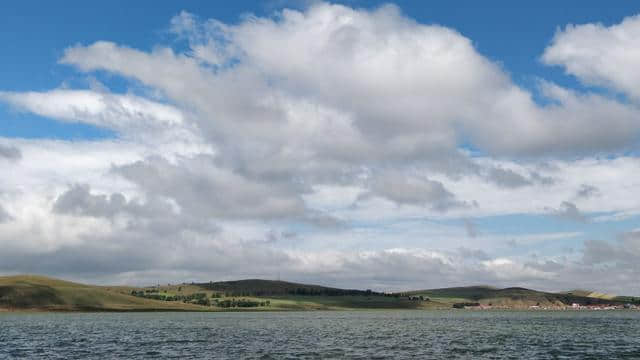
{"type": "Point", "coordinates": [591, 294]}
{"type": "Point", "coordinates": [28, 292]}
{"type": "Point", "coordinates": [517, 297]}
{"type": "Point", "coordinates": [257, 287]}
{"type": "Point", "coordinates": [283, 295]}
{"type": "Point", "coordinates": [38, 293]}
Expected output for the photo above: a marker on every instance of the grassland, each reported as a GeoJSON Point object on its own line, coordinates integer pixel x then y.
{"type": "Point", "coordinates": [38, 293]}
{"type": "Point", "coordinates": [591, 294]}
{"type": "Point", "coordinates": [520, 298]}
{"type": "Point", "coordinates": [286, 296]}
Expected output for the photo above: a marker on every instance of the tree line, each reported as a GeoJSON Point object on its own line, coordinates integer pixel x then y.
{"type": "Point", "coordinates": [201, 299]}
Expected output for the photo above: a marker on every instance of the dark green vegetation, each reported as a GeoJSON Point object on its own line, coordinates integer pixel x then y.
{"type": "Point", "coordinates": [278, 295]}
{"type": "Point", "coordinates": [39, 293]}
{"type": "Point", "coordinates": [256, 287]}
{"type": "Point", "coordinates": [199, 298]}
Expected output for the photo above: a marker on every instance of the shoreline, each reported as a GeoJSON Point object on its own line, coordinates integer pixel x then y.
{"type": "Point", "coordinates": [97, 311]}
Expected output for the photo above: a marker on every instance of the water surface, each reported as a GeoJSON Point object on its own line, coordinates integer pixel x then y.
{"type": "Point", "coordinates": [319, 335]}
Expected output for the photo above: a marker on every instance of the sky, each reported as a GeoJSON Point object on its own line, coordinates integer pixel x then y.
{"type": "Point", "coordinates": [361, 144]}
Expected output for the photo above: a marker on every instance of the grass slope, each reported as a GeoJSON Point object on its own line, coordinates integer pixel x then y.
{"type": "Point", "coordinates": [38, 293]}
{"type": "Point", "coordinates": [258, 287]}
{"type": "Point", "coordinates": [514, 297]}
{"type": "Point", "coordinates": [28, 292]}
{"type": "Point", "coordinates": [285, 296]}
{"type": "Point", "coordinates": [591, 294]}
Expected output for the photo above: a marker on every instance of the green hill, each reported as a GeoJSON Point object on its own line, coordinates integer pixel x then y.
{"type": "Point", "coordinates": [515, 297]}
{"type": "Point", "coordinates": [28, 292]}
{"type": "Point", "coordinates": [38, 293]}
{"type": "Point", "coordinates": [591, 294]}
{"type": "Point", "coordinates": [283, 295]}
{"type": "Point", "coordinates": [258, 287]}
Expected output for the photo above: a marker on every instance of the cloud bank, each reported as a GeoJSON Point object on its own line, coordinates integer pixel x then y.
{"type": "Point", "coordinates": [344, 146]}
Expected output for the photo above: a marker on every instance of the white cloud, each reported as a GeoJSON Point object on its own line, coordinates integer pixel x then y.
{"type": "Point", "coordinates": [600, 55]}
{"type": "Point", "coordinates": [10, 152]}
{"type": "Point", "coordinates": [325, 144]}
{"type": "Point", "coordinates": [408, 88]}
{"type": "Point", "coordinates": [4, 215]}
{"type": "Point", "coordinates": [200, 187]}
{"type": "Point", "coordinates": [507, 269]}
{"type": "Point", "coordinates": [118, 112]}
{"type": "Point", "coordinates": [407, 189]}
{"type": "Point", "coordinates": [569, 211]}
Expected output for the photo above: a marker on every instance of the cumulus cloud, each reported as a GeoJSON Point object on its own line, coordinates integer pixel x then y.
{"type": "Point", "coordinates": [288, 144]}
{"type": "Point", "coordinates": [4, 215]}
{"type": "Point", "coordinates": [405, 88]}
{"type": "Point", "coordinates": [536, 177]}
{"type": "Point", "coordinates": [405, 189]}
{"type": "Point", "coordinates": [200, 187]}
{"type": "Point", "coordinates": [623, 253]}
{"type": "Point", "coordinates": [120, 112]}
{"type": "Point", "coordinates": [587, 191]}
{"type": "Point", "coordinates": [600, 55]}
{"type": "Point", "coordinates": [78, 200]}
{"type": "Point", "coordinates": [569, 211]}
{"type": "Point", "coordinates": [507, 178]}
{"type": "Point", "coordinates": [474, 254]}
{"type": "Point", "coordinates": [471, 228]}
{"type": "Point", "coordinates": [10, 152]}
{"type": "Point", "coordinates": [513, 271]}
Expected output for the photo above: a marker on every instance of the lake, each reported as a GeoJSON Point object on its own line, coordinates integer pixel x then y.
{"type": "Point", "coordinates": [319, 335]}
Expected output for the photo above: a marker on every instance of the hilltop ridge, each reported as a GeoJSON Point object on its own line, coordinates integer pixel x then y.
{"type": "Point", "coordinates": [520, 297]}
{"type": "Point", "coordinates": [260, 287]}
{"type": "Point", "coordinates": [34, 292]}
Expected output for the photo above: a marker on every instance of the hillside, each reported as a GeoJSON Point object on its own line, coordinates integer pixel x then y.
{"type": "Point", "coordinates": [258, 287]}
{"type": "Point", "coordinates": [516, 297]}
{"type": "Point", "coordinates": [280, 296]}
{"type": "Point", "coordinates": [591, 294]}
{"type": "Point", "coordinates": [28, 292]}
{"type": "Point", "coordinates": [38, 293]}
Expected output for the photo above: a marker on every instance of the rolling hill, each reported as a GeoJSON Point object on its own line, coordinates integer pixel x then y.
{"type": "Point", "coordinates": [29, 292]}
{"type": "Point", "coordinates": [517, 297]}
{"type": "Point", "coordinates": [591, 294]}
{"type": "Point", "coordinates": [258, 287]}
{"type": "Point", "coordinates": [38, 293]}
{"type": "Point", "coordinates": [284, 296]}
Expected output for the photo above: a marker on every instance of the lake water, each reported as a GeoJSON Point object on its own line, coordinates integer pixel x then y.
{"type": "Point", "coordinates": [319, 335]}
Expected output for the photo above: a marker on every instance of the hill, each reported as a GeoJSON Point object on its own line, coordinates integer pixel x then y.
{"type": "Point", "coordinates": [38, 293]}
{"type": "Point", "coordinates": [591, 294]}
{"type": "Point", "coordinates": [258, 287]}
{"type": "Point", "coordinates": [29, 292]}
{"type": "Point", "coordinates": [280, 296]}
{"type": "Point", "coordinates": [517, 297]}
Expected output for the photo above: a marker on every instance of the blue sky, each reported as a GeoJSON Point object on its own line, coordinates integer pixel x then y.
{"type": "Point", "coordinates": [419, 131]}
{"type": "Point", "coordinates": [511, 34]}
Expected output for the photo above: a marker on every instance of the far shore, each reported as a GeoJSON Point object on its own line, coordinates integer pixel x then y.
{"type": "Point", "coordinates": [37, 294]}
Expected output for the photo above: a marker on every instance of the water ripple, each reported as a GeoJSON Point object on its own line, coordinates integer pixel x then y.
{"type": "Point", "coordinates": [323, 335]}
